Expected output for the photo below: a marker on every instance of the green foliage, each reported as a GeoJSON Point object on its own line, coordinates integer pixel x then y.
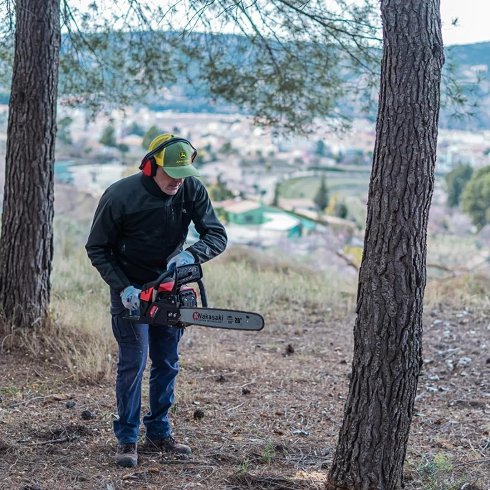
{"type": "Point", "coordinates": [227, 148]}
{"type": "Point", "coordinates": [269, 452]}
{"type": "Point", "coordinates": [111, 57]}
{"type": "Point", "coordinates": [244, 466]}
{"type": "Point", "coordinates": [321, 197]}
{"type": "Point", "coordinates": [135, 128]}
{"type": "Point", "coordinates": [455, 182]}
{"type": "Point", "coordinates": [475, 199]}
{"type": "Point", "coordinates": [277, 193]}
{"type": "Point", "coordinates": [438, 466]}
{"type": "Point", "coordinates": [460, 94]}
{"type": "Point", "coordinates": [320, 148]}
{"type": "Point", "coordinates": [64, 134]}
{"type": "Point", "coordinates": [296, 61]}
{"type": "Point", "coordinates": [108, 137]}
{"type": "Point", "coordinates": [6, 51]}
{"type": "Point", "coordinates": [123, 147]}
{"type": "Point", "coordinates": [9, 390]}
{"type": "Point", "coordinates": [149, 136]}
{"type": "Point", "coordinates": [219, 191]}
{"type": "Point", "coordinates": [341, 210]}
{"type": "Point", "coordinates": [287, 64]}
{"type": "Point", "coordinates": [437, 474]}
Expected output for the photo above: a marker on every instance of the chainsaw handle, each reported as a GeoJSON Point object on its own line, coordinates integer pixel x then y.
{"type": "Point", "coordinates": [202, 292]}
{"type": "Point", "coordinates": [167, 274]}
{"type": "Point", "coordinates": [158, 280]}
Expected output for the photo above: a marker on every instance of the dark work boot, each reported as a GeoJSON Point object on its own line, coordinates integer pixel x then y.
{"type": "Point", "coordinates": [126, 455]}
{"type": "Point", "coordinates": [167, 444]}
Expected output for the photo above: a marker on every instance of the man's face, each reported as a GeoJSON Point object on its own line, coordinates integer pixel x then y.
{"type": "Point", "coordinates": [167, 184]}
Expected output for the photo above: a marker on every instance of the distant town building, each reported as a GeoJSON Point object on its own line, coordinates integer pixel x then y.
{"type": "Point", "coordinates": [251, 222]}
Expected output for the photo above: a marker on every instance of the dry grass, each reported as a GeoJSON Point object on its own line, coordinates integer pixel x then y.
{"type": "Point", "coordinates": [287, 293]}
{"type": "Point", "coordinates": [468, 290]}
{"type": "Point", "coordinates": [284, 291]}
{"type": "Point", "coordinates": [78, 334]}
{"type": "Point", "coordinates": [458, 253]}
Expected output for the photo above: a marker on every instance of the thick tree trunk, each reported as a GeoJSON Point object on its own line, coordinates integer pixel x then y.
{"type": "Point", "coordinates": [388, 329]}
{"type": "Point", "coordinates": [26, 243]}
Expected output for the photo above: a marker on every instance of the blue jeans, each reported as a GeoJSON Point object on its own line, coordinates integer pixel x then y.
{"type": "Point", "coordinates": [135, 340]}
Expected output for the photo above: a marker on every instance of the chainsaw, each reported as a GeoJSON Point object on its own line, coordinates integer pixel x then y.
{"type": "Point", "coordinates": [168, 301]}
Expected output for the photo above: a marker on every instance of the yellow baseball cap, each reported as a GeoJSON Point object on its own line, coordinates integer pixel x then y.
{"type": "Point", "coordinates": [176, 158]}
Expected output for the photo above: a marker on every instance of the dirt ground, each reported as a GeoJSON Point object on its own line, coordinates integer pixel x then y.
{"type": "Point", "coordinates": [260, 411]}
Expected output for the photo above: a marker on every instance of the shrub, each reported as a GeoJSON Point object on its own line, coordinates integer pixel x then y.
{"type": "Point", "coordinates": [476, 197]}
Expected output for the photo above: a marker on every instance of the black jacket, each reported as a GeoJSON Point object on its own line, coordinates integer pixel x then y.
{"type": "Point", "coordinates": [137, 228]}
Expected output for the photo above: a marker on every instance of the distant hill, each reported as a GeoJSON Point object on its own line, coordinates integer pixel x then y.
{"type": "Point", "coordinates": [467, 62]}
{"type": "Point", "coordinates": [470, 54]}
{"type": "Point", "coordinates": [471, 65]}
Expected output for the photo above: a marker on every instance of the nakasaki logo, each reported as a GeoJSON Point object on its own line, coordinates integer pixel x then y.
{"type": "Point", "coordinates": [207, 317]}
{"type": "Point", "coordinates": [183, 155]}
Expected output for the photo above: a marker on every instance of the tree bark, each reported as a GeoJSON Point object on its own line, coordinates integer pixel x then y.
{"type": "Point", "coordinates": [26, 242]}
{"type": "Point", "coordinates": [388, 330]}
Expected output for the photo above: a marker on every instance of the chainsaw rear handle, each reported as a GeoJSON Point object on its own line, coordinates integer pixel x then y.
{"type": "Point", "coordinates": [182, 275]}
{"type": "Point", "coordinates": [202, 293]}
{"type": "Point", "coordinates": [158, 280]}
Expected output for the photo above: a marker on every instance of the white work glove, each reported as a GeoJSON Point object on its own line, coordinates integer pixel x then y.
{"type": "Point", "coordinates": [183, 258]}
{"type": "Point", "coordinates": [130, 297]}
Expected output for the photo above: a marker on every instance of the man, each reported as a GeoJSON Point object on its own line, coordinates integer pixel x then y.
{"type": "Point", "coordinates": [139, 230]}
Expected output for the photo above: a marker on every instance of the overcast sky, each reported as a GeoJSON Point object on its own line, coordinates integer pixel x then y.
{"type": "Point", "coordinates": [473, 21]}
{"type": "Point", "coordinates": [473, 17]}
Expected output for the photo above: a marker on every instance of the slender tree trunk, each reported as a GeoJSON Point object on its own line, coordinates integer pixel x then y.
{"type": "Point", "coordinates": [388, 329]}
{"type": "Point", "coordinates": [26, 242]}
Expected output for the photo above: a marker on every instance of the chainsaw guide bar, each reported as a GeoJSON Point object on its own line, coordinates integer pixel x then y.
{"type": "Point", "coordinates": [166, 301]}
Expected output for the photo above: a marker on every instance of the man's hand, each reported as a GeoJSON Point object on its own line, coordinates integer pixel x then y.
{"type": "Point", "coordinates": [130, 297]}
{"type": "Point", "coordinates": [183, 258]}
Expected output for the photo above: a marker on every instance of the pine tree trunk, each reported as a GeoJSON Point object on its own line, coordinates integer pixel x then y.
{"type": "Point", "coordinates": [26, 242]}
{"type": "Point", "coordinates": [388, 330]}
